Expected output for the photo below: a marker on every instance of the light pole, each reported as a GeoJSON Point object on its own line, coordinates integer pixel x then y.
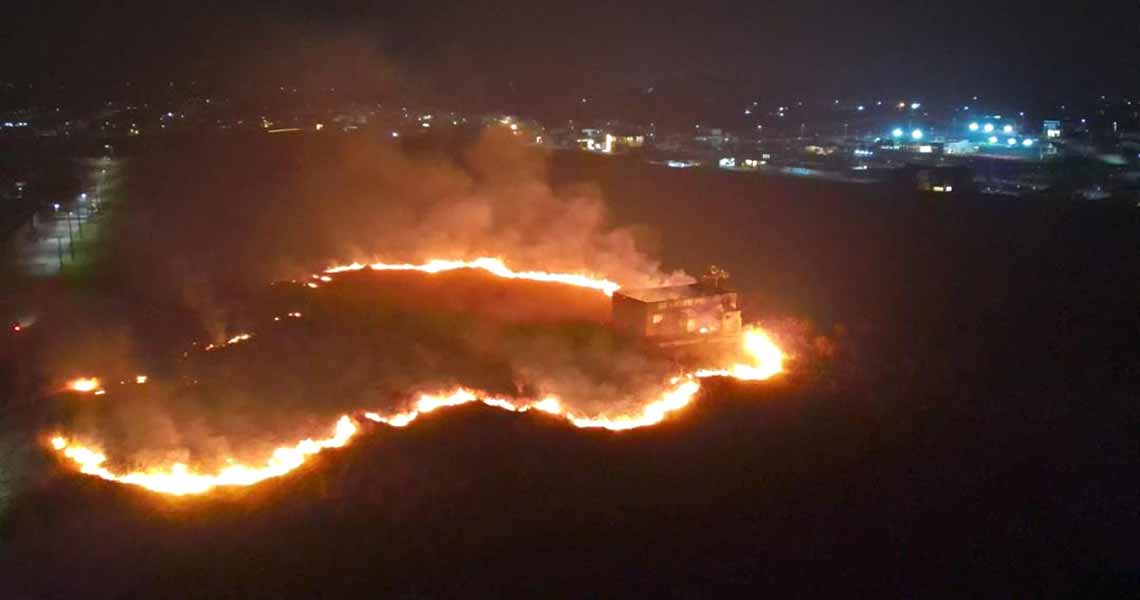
{"type": "Point", "coordinates": [70, 238]}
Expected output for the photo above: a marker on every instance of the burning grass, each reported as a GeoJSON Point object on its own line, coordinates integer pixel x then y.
{"type": "Point", "coordinates": [370, 350]}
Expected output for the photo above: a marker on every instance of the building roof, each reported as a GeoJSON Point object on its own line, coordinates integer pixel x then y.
{"type": "Point", "coordinates": [673, 292]}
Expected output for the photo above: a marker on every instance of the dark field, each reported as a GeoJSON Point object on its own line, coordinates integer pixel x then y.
{"type": "Point", "coordinates": [969, 433]}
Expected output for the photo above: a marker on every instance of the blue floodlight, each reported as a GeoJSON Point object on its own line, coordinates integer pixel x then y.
{"type": "Point", "coordinates": [916, 134]}
{"type": "Point", "coordinates": [973, 126]}
{"type": "Point", "coordinates": [988, 127]}
{"type": "Point", "coordinates": [897, 132]}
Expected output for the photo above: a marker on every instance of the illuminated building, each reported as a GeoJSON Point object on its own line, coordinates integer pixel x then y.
{"type": "Point", "coordinates": [681, 315]}
{"type": "Point", "coordinates": [1052, 129]}
{"type": "Point", "coordinates": [618, 143]}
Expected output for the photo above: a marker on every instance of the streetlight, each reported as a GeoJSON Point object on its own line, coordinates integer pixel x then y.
{"type": "Point", "coordinates": [916, 134]}
{"type": "Point", "coordinates": [70, 237]}
{"type": "Point", "coordinates": [897, 132]}
{"type": "Point", "coordinates": [973, 126]}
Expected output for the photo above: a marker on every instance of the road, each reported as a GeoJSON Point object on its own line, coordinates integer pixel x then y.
{"type": "Point", "coordinates": [55, 237]}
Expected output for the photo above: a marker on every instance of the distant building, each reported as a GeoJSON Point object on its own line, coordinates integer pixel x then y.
{"type": "Point", "coordinates": [716, 138]}
{"type": "Point", "coordinates": [704, 312]}
{"type": "Point", "coordinates": [1051, 129]}
{"type": "Point", "coordinates": [961, 147]}
{"type": "Point", "coordinates": [622, 142]}
{"type": "Point", "coordinates": [940, 180]}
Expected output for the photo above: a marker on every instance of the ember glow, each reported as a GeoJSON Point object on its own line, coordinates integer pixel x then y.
{"type": "Point", "coordinates": [241, 337]}
{"type": "Point", "coordinates": [493, 266]}
{"type": "Point", "coordinates": [762, 359]}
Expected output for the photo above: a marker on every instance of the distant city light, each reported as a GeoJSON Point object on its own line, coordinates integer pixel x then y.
{"type": "Point", "coordinates": [915, 105]}
{"type": "Point", "coordinates": [395, 134]}
{"type": "Point", "coordinates": [897, 132]}
{"type": "Point", "coordinates": [993, 139]}
{"type": "Point", "coordinates": [860, 107]}
{"type": "Point", "coordinates": [514, 126]}
{"type": "Point", "coordinates": [973, 126]}
{"type": "Point", "coordinates": [988, 127]}
{"type": "Point", "coordinates": [916, 134]}
{"type": "Point", "coordinates": [1007, 129]}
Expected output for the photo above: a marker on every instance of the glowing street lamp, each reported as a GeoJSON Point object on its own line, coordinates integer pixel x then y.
{"type": "Point", "coordinates": [993, 139]}
{"type": "Point", "coordinates": [916, 134]}
{"type": "Point", "coordinates": [897, 132]}
{"type": "Point", "coordinates": [1007, 129]}
{"type": "Point", "coordinates": [1027, 143]}
{"type": "Point", "coordinates": [988, 127]}
{"type": "Point", "coordinates": [973, 126]}
{"type": "Point", "coordinates": [1011, 141]}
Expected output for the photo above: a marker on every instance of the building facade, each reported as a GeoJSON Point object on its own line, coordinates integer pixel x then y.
{"type": "Point", "coordinates": [680, 315]}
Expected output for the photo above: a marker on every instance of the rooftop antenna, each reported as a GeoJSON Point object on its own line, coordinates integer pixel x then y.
{"type": "Point", "coordinates": [714, 277]}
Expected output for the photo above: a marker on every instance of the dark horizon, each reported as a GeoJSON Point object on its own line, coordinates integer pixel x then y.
{"type": "Point", "coordinates": [514, 53]}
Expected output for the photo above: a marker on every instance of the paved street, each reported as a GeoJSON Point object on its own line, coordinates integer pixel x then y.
{"type": "Point", "coordinates": [60, 231]}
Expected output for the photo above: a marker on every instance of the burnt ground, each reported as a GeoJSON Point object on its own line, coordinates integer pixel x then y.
{"type": "Point", "coordinates": [974, 434]}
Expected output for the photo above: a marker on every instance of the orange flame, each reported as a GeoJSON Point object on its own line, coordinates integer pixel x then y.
{"type": "Point", "coordinates": [179, 480]}
{"type": "Point", "coordinates": [241, 337]}
{"type": "Point", "coordinates": [767, 359]}
{"type": "Point", "coordinates": [493, 266]}
{"type": "Point", "coordinates": [764, 360]}
{"type": "Point", "coordinates": [83, 385]}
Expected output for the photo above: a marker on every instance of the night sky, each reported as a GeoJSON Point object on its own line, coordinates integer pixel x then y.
{"type": "Point", "coordinates": [535, 52]}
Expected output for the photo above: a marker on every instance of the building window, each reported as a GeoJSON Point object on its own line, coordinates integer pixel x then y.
{"type": "Point", "coordinates": [691, 325]}
{"type": "Point", "coordinates": [657, 318]}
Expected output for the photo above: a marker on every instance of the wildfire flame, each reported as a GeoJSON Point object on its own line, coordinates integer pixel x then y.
{"type": "Point", "coordinates": [493, 266]}
{"type": "Point", "coordinates": [83, 385]}
{"type": "Point", "coordinates": [241, 337]}
{"type": "Point", "coordinates": [767, 359]}
{"type": "Point", "coordinates": [764, 360]}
